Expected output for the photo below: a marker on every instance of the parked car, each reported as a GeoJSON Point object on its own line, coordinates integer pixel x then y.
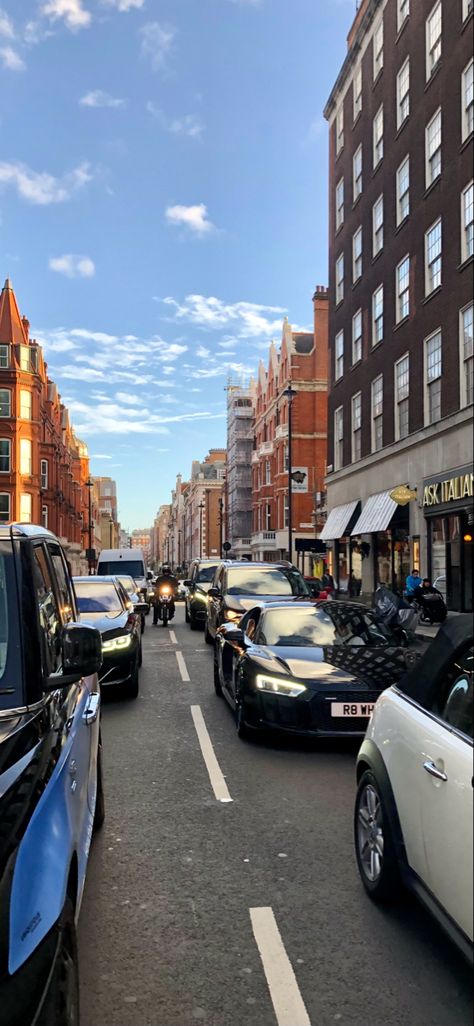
{"type": "Point", "coordinates": [131, 588]}
{"type": "Point", "coordinates": [104, 603]}
{"type": "Point", "coordinates": [238, 586]}
{"type": "Point", "coordinates": [290, 665]}
{"type": "Point", "coordinates": [51, 793]}
{"type": "Point", "coordinates": [201, 575]}
{"type": "Point", "coordinates": [413, 810]}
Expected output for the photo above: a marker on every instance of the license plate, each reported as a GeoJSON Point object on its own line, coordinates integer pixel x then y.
{"type": "Point", "coordinates": [358, 709]}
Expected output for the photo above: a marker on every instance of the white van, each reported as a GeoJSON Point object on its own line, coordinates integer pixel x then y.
{"type": "Point", "coordinates": [124, 561]}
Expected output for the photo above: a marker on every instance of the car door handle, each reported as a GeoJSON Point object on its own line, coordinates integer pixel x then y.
{"type": "Point", "coordinates": [433, 770]}
{"type": "Point", "coordinates": [91, 711]}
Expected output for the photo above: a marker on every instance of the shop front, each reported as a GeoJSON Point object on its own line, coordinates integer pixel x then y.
{"type": "Point", "coordinates": [449, 512]}
{"type": "Point", "coordinates": [382, 532]}
{"type": "Point", "coordinates": [344, 556]}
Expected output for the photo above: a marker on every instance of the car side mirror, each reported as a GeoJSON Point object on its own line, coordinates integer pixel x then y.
{"type": "Point", "coordinates": [141, 607]}
{"type": "Point", "coordinates": [214, 592]}
{"type": "Point", "coordinates": [188, 584]}
{"type": "Point", "coordinates": [235, 635]}
{"type": "Point", "coordinates": [149, 576]}
{"type": "Point", "coordinates": [81, 648]}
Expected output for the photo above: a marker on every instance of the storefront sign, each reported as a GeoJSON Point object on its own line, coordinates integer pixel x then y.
{"type": "Point", "coordinates": [403, 495]}
{"type": "Point", "coordinates": [299, 479]}
{"type": "Point", "coordinates": [452, 489]}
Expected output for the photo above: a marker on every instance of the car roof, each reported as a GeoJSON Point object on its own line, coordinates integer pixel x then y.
{"type": "Point", "coordinates": [26, 531]}
{"type": "Point", "coordinates": [290, 602]}
{"type": "Point", "coordinates": [259, 564]}
{"type": "Point", "coordinates": [98, 579]}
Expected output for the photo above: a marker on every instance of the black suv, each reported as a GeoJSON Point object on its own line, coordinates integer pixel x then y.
{"type": "Point", "coordinates": [51, 794]}
{"type": "Point", "coordinates": [237, 586]}
{"type": "Point", "coordinates": [201, 575]}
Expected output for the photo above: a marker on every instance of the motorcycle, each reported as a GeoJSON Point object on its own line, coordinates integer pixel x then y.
{"type": "Point", "coordinates": [165, 604]}
{"type": "Point", "coordinates": [397, 614]}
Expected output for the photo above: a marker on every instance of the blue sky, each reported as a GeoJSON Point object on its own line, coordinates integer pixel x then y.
{"type": "Point", "coordinates": [163, 204]}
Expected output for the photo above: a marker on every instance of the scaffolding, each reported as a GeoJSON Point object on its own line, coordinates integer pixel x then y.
{"type": "Point", "coordinates": [240, 427]}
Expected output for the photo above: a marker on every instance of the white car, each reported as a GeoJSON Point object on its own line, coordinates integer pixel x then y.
{"type": "Point", "coordinates": [413, 823]}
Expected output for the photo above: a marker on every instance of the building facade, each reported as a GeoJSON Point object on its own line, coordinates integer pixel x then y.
{"type": "Point", "coordinates": [44, 467]}
{"type": "Point", "coordinates": [302, 362]}
{"type": "Point", "coordinates": [401, 246]}
{"type": "Point", "coordinates": [204, 507]}
{"type": "Point", "coordinates": [240, 431]}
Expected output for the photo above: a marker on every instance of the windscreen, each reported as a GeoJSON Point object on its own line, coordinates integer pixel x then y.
{"type": "Point", "coordinates": [134, 567]}
{"type": "Point", "coordinates": [10, 681]}
{"type": "Point", "coordinates": [128, 583]}
{"type": "Point", "coordinates": [97, 598]}
{"type": "Point", "coordinates": [260, 581]}
{"type": "Point", "coordinates": [206, 574]}
{"type": "Point", "coordinates": [296, 628]}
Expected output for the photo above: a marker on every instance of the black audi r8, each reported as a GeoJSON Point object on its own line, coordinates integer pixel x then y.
{"type": "Point", "coordinates": [104, 603]}
{"type": "Point", "coordinates": [307, 669]}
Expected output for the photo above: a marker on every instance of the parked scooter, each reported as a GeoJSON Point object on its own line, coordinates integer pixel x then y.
{"type": "Point", "coordinates": [397, 614]}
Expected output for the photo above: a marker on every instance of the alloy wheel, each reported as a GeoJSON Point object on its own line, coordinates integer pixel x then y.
{"type": "Point", "coordinates": [370, 836]}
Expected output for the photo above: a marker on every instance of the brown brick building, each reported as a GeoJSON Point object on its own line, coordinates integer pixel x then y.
{"type": "Point", "coordinates": [401, 246]}
{"type": "Point", "coordinates": [302, 360]}
{"type": "Point", "coordinates": [43, 465]}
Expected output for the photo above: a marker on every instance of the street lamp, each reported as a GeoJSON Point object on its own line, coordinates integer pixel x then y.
{"type": "Point", "coordinates": [290, 394]}
{"type": "Point", "coordinates": [90, 554]}
{"type": "Point", "coordinates": [200, 508]}
{"type": "Point", "coordinates": [221, 524]}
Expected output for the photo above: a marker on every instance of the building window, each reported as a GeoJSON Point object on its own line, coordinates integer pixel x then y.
{"type": "Point", "coordinates": [5, 455]}
{"type": "Point", "coordinates": [338, 438]}
{"type": "Point", "coordinates": [378, 137]}
{"type": "Point", "coordinates": [44, 516]}
{"type": "Point", "coordinates": [25, 456]}
{"type": "Point", "coordinates": [377, 316]}
{"type": "Point", "coordinates": [403, 191]}
{"type": "Point", "coordinates": [357, 92]}
{"type": "Point", "coordinates": [402, 393]}
{"type": "Point", "coordinates": [339, 204]}
{"type": "Point", "coordinates": [339, 356]}
{"type": "Point", "coordinates": [403, 10]}
{"type": "Point", "coordinates": [286, 511]}
{"type": "Point", "coordinates": [433, 378]}
{"type": "Point", "coordinates": [467, 8]}
{"type": "Point", "coordinates": [268, 472]}
{"type": "Point", "coordinates": [357, 337]}
{"type": "Point", "coordinates": [467, 222]}
{"type": "Point", "coordinates": [433, 39]}
{"type": "Point", "coordinates": [467, 355]}
{"type": "Point", "coordinates": [402, 289]}
{"type": "Point", "coordinates": [44, 474]}
{"type": "Point", "coordinates": [340, 279]}
{"type": "Point", "coordinates": [357, 172]}
{"type": "Point", "coordinates": [403, 93]}
{"type": "Point", "coordinates": [286, 465]}
{"type": "Point", "coordinates": [268, 516]}
{"type": "Point", "coordinates": [467, 98]}
{"type": "Point", "coordinates": [356, 424]}
{"type": "Point", "coordinates": [433, 244]}
{"type": "Point", "coordinates": [4, 507]}
{"type": "Point", "coordinates": [339, 129]}
{"type": "Point", "coordinates": [433, 149]}
{"type": "Point", "coordinates": [4, 357]}
{"type": "Point", "coordinates": [377, 413]}
{"type": "Point", "coordinates": [377, 226]}
{"type": "Point", "coordinates": [25, 508]}
{"type": "Point", "coordinates": [25, 404]}
{"type": "Point", "coordinates": [378, 49]}
{"type": "Point", "coordinates": [357, 255]}
{"type": "Point", "coordinates": [5, 402]}
{"type": "Point", "coordinates": [25, 361]}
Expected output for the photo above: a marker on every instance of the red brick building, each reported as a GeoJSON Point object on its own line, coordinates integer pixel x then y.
{"type": "Point", "coordinates": [44, 467]}
{"type": "Point", "coordinates": [302, 360]}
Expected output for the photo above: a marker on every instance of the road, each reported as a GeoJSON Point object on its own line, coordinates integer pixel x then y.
{"type": "Point", "coordinates": [249, 911]}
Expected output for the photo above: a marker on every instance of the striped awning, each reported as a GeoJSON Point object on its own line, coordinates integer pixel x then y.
{"type": "Point", "coordinates": [376, 514]}
{"type": "Point", "coordinates": [337, 521]}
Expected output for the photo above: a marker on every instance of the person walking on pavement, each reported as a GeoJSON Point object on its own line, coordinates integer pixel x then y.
{"type": "Point", "coordinates": [166, 577]}
{"type": "Point", "coordinates": [412, 582]}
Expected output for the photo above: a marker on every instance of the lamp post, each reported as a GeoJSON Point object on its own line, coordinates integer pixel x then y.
{"type": "Point", "coordinates": [90, 559]}
{"type": "Point", "coordinates": [179, 545]}
{"type": "Point", "coordinates": [221, 524]}
{"type": "Point", "coordinates": [200, 508]}
{"type": "Point", "coordinates": [289, 394]}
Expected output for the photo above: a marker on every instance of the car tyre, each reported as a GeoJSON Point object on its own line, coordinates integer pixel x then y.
{"type": "Point", "coordinates": [217, 681]}
{"type": "Point", "coordinates": [61, 1005]}
{"type": "Point", "coordinates": [207, 636]}
{"type": "Point", "coordinates": [193, 623]}
{"type": "Point", "coordinates": [242, 729]}
{"type": "Point", "coordinates": [374, 843]}
{"type": "Point", "coordinates": [99, 814]}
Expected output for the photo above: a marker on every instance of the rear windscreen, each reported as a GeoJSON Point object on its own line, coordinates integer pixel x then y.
{"type": "Point", "coordinates": [133, 567]}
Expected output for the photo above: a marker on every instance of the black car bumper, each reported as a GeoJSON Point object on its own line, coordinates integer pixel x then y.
{"type": "Point", "coordinates": [309, 716]}
{"type": "Point", "coordinates": [22, 995]}
{"type": "Point", "coordinates": [118, 669]}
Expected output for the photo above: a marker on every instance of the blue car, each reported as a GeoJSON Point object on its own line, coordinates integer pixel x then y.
{"type": "Point", "coordinates": [51, 794]}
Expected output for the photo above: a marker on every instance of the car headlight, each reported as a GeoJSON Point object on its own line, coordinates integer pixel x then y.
{"type": "Point", "coordinates": [233, 614]}
{"type": "Point", "coordinates": [201, 597]}
{"type": "Point", "coordinates": [123, 641]}
{"type": "Point", "coordinates": [277, 686]}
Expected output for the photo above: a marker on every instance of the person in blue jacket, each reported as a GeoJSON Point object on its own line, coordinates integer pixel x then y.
{"type": "Point", "coordinates": [412, 582]}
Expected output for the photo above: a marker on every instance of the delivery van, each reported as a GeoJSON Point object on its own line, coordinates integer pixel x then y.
{"type": "Point", "coordinates": [124, 561]}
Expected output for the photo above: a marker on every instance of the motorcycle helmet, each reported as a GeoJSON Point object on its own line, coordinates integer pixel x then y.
{"type": "Point", "coordinates": [166, 569]}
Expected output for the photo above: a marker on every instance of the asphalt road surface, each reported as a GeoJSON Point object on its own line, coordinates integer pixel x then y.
{"type": "Point", "coordinates": [243, 909]}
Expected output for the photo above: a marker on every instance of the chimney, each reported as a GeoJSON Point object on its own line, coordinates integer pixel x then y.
{"type": "Point", "coordinates": [26, 327]}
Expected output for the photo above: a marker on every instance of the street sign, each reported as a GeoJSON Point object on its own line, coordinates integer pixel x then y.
{"type": "Point", "coordinates": [227, 546]}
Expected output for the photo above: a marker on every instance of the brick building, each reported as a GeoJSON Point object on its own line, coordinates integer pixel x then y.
{"type": "Point", "coordinates": [44, 467]}
{"type": "Point", "coordinates": [158, 537]}
{"type": "Point", "coordinates": [301, 361]}
{"type": "Point", "coordinates": [240, 431]}
{"type": "Point", "coordinates": [203, 515]}
{"type": "Point", "coordinates": [401, 244]}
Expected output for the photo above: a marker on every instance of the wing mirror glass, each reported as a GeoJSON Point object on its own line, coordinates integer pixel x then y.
{"type": "Point", "coordinates": [214, 592]}
{"type": "Point", "coordinates": [81, 648]}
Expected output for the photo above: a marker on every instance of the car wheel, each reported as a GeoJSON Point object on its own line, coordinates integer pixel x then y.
{"type": "Point", "coordinates": [217, 681]}
{"type": "Point", "coordinates": [132, 687]}
{"type": "Point", "coordinates": [61, 1005]}
{"type": "Point", "coordinates": [99, 814]}
{"type": "Point", "coordinates": [208, 637]}
{"type": "Point", "coordinates": [193, 623]}
{"type": "Point", "coordinates": [242, 729]}
{"type": "Point", "coordinates": [374, 843]}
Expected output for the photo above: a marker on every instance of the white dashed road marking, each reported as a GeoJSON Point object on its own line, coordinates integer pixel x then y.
{"type": "Point", "coordinates": [182, 667]}
{"type": "Point", "coordinates": [216, 776]}
{"type": "Point", "coordinates": [173, 638]}
{"type": "Point", "coordinates": [286, 998]}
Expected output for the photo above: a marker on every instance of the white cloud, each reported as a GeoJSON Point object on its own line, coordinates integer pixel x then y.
{"type": "Point", "coordinates": [6, 25]}
{"type": "Point", "coordinates": [41, 188]}
{"type": "Point", "coordinates": [73, 266]}
{"type": "Point", "coordinates": [98, 98]}
{"type": "Point", "coordinates": [195, 218]}
{"type": "Point", "coordinates": [100, 456]}
{"type": "Point", "coordinates": [124, 5]}
{"type": "Point", "coordinates": [249, 320]}
{"type": "Point", "coordinates": [157, 41]}
{"type": "Point", "coordinates": [203, 353]}
{"type": "Point", "coordinates": [11, 60]}
{"type": "Point", "coordinates": [127, 398]}
{"type": "Point", "coordinates": [93, 336]}
{"type": "Point", "coordinates": [72, 12]}
{"type": "Point", "coordinates": [188, 125]}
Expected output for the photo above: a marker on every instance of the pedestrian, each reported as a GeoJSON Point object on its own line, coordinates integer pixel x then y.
{"type": "Point", "coordinates": [353, 585]}
{"type": "Point", "coordinates": [412, 582]}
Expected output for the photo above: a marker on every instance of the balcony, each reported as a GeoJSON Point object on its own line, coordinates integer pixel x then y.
{"type": "Point", "coordinates": [266, 449]}
{"type": "Point", "coordinates": [264, 539]}
{"type": "Point", "coordinates": [281, 431]}
{"type": "Point", "coordinates": [255, 456]}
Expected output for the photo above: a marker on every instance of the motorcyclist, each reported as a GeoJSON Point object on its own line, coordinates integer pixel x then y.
{"type": "Point", "coordinates": [166, 577]}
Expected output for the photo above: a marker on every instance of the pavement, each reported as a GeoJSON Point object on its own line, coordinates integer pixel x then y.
{"type": "Point", "coordinates": [222, 889]}
{"type": "Point", "coordinates": [429, 631]}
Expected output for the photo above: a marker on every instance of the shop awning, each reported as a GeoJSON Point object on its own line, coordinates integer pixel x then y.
{"type": "Point", "coordinates": [337, 521]}
{"type": "Point", "coordinates": [376, 514]}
